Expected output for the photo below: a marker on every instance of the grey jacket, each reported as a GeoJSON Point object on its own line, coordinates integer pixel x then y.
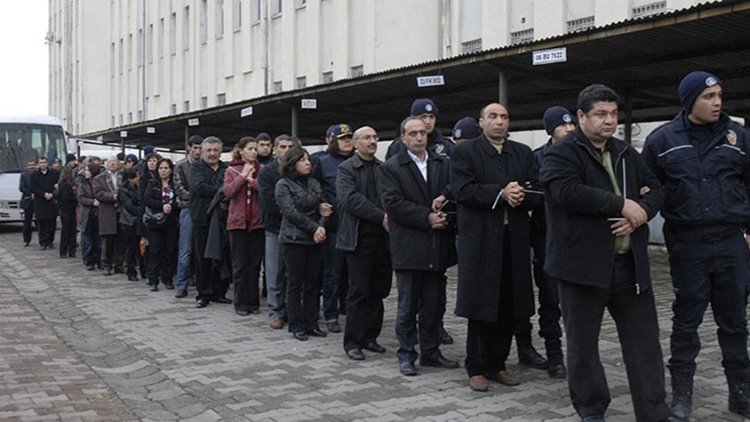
{"type": "Point", "coordinates": [298, 200]}
{"type": "Point", "coordinates": [353, 205]}
{"type": "Point", "coordinates": [180, 179]}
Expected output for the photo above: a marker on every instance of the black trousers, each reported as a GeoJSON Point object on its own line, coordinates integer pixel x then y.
{"type": "Point", "coordinates": [208, 280]}
{"type": "Point", "coordinates": [46, 231]}
{"type": "Point", "coordinates": [370, 279]}
{"type": "Point", "coordinates": [303, 285]}
{"type": "Point", "coordinates": [68, 232]}
{"type": "Point", "coordinates": [162, 252]}
{"type": "Point", "coordinates": [28, 218]}
{"type": "Point", "coordinates": [113, 251]}
{"type": "Point", "coordinates": [247, 254]}
{"type": "Point", "coordinates": [638, 330]}
{"type": "Point", "coordinates": [418, 312]}
{"type": "Point", "coordinates": [132, 248]}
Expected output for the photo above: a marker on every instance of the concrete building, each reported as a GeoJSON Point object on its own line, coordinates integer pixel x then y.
{"type": "Point", "coordinates": [119, 62]}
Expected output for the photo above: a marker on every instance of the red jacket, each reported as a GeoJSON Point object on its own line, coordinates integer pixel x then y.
{"type": "Point", "coordinates": [236, 189]}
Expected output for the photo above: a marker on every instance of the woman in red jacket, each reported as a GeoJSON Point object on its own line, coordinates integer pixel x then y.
{"type": "Point", "coordinates": [246, 234]}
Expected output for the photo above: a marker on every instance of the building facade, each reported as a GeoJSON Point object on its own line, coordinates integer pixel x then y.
{"type": "Point", "coordinates": [119, 62]}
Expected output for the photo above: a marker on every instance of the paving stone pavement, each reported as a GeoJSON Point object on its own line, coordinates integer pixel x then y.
{"type": "Point", "coordinates": [76, 345]}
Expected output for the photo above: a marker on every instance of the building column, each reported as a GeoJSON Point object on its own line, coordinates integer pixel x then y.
{"type": "Point", "coordinates": [502, 89]}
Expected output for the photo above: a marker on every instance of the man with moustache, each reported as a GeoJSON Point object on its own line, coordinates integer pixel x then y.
{"type": "Point", "coordinates": [363, 235]}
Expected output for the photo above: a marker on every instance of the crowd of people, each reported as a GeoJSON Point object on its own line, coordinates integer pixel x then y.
{"type": "Point", "coordinates": [330, 229]}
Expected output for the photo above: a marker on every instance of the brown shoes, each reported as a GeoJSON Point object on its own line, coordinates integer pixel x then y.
{"type": "Point", "coordinates": [479, 383]}
{"type": "Point", "coordinates": [505, 378]}
{"type": "Point", "coordinates": [277, 323]}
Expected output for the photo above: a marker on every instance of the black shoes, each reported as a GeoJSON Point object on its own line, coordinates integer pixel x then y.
{"type": "Point", "coordinates": [557, 370]}
{"type": "Point", "coordinates": [373, 346]}
{"type": "Point", "coordinates": [530, 357]}
{"type": "Point", "coordinates": [223, 300]}
{"type": "Point", "coordinates": [169, 286]}
{"type": "Point", "coordinates": [445, 338]}
{"type": "Point", "coordinates": [90, 267]}
{"type": "Point", "coordinates": [108, 272]}
{"type": "Point", "coordinates": [333, 327]}
{"type": "Point", "coordinates": [439, 361]}
{"type": "Point", "coordinates": [132, 277]}
{"type": "Point", "coordinates": [301, 336]}
{"type": "Point", "coordinates": [180, 293]}
{"type": "Point", "coordinates": [201, 303]}
{"type": "Point", "coordinates": [316, 332]}
{"type": "Point", "coordinates": [154, 288]}
{"type": "Point", "coordinates": [407, 368]}
{"type": "Point", "coordinates": [242, 313]}
{"type": "Point", "coordinates": [355, 354]}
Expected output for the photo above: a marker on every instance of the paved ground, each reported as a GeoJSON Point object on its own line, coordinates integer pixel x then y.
{"type": "Point", "coordinates": [75, 345]}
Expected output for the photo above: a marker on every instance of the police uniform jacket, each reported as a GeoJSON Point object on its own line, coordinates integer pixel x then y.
{"type": "Point", "coordinates": [407, 199]}
{"type": "Point", "coordinates": [478, 173]}
{"type": "Point", "coordinates": [580, 198]}
{"type": "Point", "coordinates": [706, 184]}
{"type": "Point", "coordinates": [353, 205]}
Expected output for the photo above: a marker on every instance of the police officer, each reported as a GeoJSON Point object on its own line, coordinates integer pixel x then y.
{"type": "Point", "coordinates": [703, 160]}
{"type": "Point", "coordinates": [466, 129]}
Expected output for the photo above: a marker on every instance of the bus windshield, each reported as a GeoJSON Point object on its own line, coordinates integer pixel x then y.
{"type": "Point", "coordinates": [23, 142]}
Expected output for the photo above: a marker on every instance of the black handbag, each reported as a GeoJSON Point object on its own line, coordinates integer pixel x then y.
{"type": "Point", "coordinates": [154, 220]}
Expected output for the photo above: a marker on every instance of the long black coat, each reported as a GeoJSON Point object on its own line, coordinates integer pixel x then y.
{"type": "Point", "coordinates": [478, 173]}
{"type": "Point", "coordinates": [407, 200]}
{"type": "Point", "coordinates": [44, 209]}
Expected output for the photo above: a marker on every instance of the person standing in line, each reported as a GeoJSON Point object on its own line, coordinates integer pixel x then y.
{"type": "Point", "coordinates": [65, 194]}
{"type": "Point", "coordinates": [129, 216]}
{"type": "Point", "coordinates": [490, 177]}
{"type": "Point", "coordinates": [246, 234]}
{"type": "Point", "coordinates": [415, 188]}
{"type": "Point", "coordinates": [363, 236]}
{"type": "Point", "coordinates": [88, 223]}
{"type": "Point", "coordinates": [599, 196]}
{"type": "Point", "coordinates": [703, 159]}
{"type": "Point", "coordinates": [182, 189]}
{"type": "Point", "coordinates": [43, 182]}
{"type": "Point", "coordinates": [160, 196]}
{"type": "Point", "coordinates": [106, 187]}
{"type": "Point", "coordinates": [274, 262]}
{"type": "Point", "coordinates": [302, 231]}
{"type": "Point", "coordinates": [27, 200]}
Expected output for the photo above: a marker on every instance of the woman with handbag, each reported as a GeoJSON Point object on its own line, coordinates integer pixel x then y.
{"type": "Point", "coordinates": [246, 233]}
{"type": "Point", "coordinates": [65, 194]}
{"type": "Point", "coordinates": [302, 232]}
{"type": "Point", "coordinates": [162, 226]}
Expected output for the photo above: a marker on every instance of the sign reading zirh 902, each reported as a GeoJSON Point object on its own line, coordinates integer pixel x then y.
{"type": "Point", "coordinates": [554, 55]}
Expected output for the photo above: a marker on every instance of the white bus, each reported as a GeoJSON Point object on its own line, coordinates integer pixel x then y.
{"type": "Point", "coordinates": [24, 138]}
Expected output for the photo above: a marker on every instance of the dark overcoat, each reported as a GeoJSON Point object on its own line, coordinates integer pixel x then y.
{"type": "Point", "coordinates": [41, 183]}
{"type": "Point", "coordinates": [478, 173]}
{"type": "Point", "coordinates": [105, 190]}
{"type": "Point", "coordinates": [407, 200]}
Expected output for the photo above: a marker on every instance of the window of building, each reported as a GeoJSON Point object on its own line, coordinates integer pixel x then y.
{"type": "Point", "coordinates": [202, 23]}
{"type": "Point", "coordinates": [221, 99]}
{"type": "Point", "coordinates": [470, 12]}
{"type": "Point", "coordinates": [112, 68]}
{"type": "Point", "coordinates": [173, 109]}
{"type": "Point", "coordinates": [204, 102]}
{"type": "Point", "coordinates": [219, 18]}
{"type": "Point", "coordinates": [255, 11]}
{"type": "Point", "coordinates": [141, 47]}
{"type": "Point", "coordinates": [186, 29]}
{"type": "Point", "coordinates": [140, 115]}
{"type": "Point", "coordinates": [150, 43]}
{"type": "Point", "coordinates": [276, 7]}
{"type": "Point", "coordinates": [327, 77]}
{"type": "Point", "coordinates": [471, 46]}
{"type": "Point", "coordinates": [301, 82]}
{"type": "Point", "coordinates": [581, 24]}
{"type": "Point", "coordinates": [277, 87]}
{"type": "Point", "coordinates": [130, 117]}
{"type": "Point", "coordinates": [161, 38]}
{"type": "Point", "coordinates": [186, 106]}
{"type": "Point", "coordinates": [120, 56]}
{"type": "Point", "coordinates": [300, 3]}
{"type": "Point", "coordinates": [130, 52]}
{"type": "Point", "coordinates": [112, 121]}
{"type": "Point", "coordinates": [518, 37]}
{"type": "Point", "coordinates": [173, 34]}
{"type": "Point", "coordinates": [236, 15]}
{"type": "Point", "coordinates": [648, 9]}
{"type": "Point", "coordinates": [357, 71]}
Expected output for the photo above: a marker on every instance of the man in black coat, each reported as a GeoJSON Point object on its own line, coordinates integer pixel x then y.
{"type": "Point", "coordinates": [27, 200]}
{"type": "Point", "coordinates": [414, 185]}
{"type": "Point", "coordinates": [363, 235]}
{"type": "Point", "coordinates": [490, 176]}
{"type": "Point", "coordinates": [599, 196]}
{"type": "Point", "coordinates": [206, 179]}
{"type": "Point", "coordinates": [43, 183]}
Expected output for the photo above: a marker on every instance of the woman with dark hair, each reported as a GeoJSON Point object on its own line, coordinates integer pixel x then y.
{"type": "Point", "coordinates": [159, 196]}
{"type": "Point", "coordinates": [148, 173]}
{"type": "Point", "coordinates": [87, 216]}
{"type": "Point", "coordinates": [66, 204]}
{"type": "Point", "coordinates": [246, 233]}
{"type": "Point", "coordinates": [299, 197]}
{"type": "Point", "coordinates": [130, 214]}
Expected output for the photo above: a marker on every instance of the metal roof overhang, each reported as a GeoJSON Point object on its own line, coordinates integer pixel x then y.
{"type": "Point", "coordinates": [642, 59]}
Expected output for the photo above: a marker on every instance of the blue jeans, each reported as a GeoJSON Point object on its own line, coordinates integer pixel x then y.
{"type": "Point", "coordinates": [185, 250]}
{"type": "Point", "coordinates": [91, 243]}
{"type": "Point", "coordinates": [275, 277]}
{"type": "Point", "coordinates": [333, 269]}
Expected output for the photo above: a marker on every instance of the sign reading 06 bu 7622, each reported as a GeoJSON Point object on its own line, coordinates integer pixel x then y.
{"type": "Point", "coordinates": [554, 55]}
